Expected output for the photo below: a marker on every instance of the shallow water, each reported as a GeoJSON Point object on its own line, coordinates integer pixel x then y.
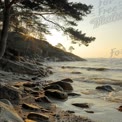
{"type": "Point", "coordinates": [92, 73]}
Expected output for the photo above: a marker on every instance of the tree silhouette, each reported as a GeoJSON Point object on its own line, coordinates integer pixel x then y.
{"type": "Point", "coordinates": [60, 46]}
{"type": "Point", "coordinates": [39, 15]}
{"type": "Point", "coordinates": [71, 48]}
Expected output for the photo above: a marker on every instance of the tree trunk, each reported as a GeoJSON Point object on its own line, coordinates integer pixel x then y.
{"type": "Point", "coordinates": [4, 32]}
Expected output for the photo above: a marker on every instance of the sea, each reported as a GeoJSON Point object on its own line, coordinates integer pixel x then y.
{"type": "Point", "coordinates": [87, 75]}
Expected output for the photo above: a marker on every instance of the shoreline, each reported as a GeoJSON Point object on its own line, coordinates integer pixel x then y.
{"type": "Point", "coordinates": [27, 89]}
{"type": "Point", "coordinates": [55, 110]}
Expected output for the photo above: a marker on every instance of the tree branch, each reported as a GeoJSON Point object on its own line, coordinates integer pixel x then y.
{"type": "Point", "coordinates": [1, 2]}
{"type": "Point", "coordinates": [46, 13]}
{"type": "Point", "coordinates": [62, 28]}
{"type": "Point", "coordinates": [12, 2]}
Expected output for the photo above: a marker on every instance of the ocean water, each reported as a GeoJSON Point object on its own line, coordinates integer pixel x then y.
{"type": "Point", "coordinates": [87, 75]}
{"type": "Point", "coordinates": [96, 70]}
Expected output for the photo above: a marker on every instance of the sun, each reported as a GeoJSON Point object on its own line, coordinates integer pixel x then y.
{"type": "Point", "coordinates": [55, 38]}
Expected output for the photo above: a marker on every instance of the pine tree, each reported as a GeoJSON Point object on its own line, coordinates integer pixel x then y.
{"type": "Point", "coordinates": [40, 15]}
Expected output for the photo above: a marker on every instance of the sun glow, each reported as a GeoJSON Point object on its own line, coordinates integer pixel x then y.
{"type": "Point", "coordinates": [55, 38]}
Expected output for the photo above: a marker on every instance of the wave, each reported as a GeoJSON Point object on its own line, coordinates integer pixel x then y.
{"type": "Point", "coordinates": [91, 68]}
{"type": "Point", "coordinates": [97, 69]}
{"type": "Point", "coordinates": [103, 81]}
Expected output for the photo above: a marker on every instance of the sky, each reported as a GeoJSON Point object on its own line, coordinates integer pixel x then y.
{"type": "Point", "coordinates": [104, 23]}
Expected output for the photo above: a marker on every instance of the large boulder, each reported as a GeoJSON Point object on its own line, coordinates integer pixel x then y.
{"type": "Point", "coordinates": [8, 114]}
{"type": "Point", "coordinates": [10, 93]}
{"type": "Point", "coordinates": [57, 94]}
{"type": "Point", "coordinates": [67, 80]}
{"type": "Point", "coordinates": [54, 86]}
{"type": "Point", "coordinates": [44, 99]}
{"type": "Point", "coordinates": [65, 85]}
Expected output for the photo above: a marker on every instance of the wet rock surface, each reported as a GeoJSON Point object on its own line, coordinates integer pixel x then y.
{"type": "Point", "coordinates": [67, 80]}
{"type": "Point", "coordinates": [76, 72]}
{"type": "Point", "coordinates": [81, 105]}
{"type": "Point", "coordinates": [44, 99]}
{"type": "Point", "coordinates": [38, 117]}
{"type": "Point", "coordinates": [8, 114]}
{"type": "Point", "coordinates": [105, 88]}
{"type": "Point", "coordinates": [54, 86]}
{"type": "Point", "coordinates": [90, 112]}
{"type": "Point", "coordinates": [57, 94]}
{"type": "Point", "coordinates": [65, 85]}
{"type": "Point", "coordinates": [73, 94]}
{"type": "Point", "coordinates": [120, 108]}
{"type": "Point", "coordinates": [6, 102]}
{"type": "Point", "coordinates": [97, 69]}
{"type": "Point", "coordinates": [30, 107]}
{"type": "Point", "coordinates": [29, 99]}
{"type": "Point", "coordinates": [10, 93]}
{"type": "Point", "coordinates": [29, 84]}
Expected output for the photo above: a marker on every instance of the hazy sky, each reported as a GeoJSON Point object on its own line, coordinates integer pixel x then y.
{"type": "Point", "coordinates": [104, 23]}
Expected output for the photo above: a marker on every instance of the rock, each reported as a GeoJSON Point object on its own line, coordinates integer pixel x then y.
{"type": "Point", "coordinates": [65, 85]}
{"type": "Point", "coordinates": [28, 90]}
{"type": "Point", "coordinates": [105, 88]}
{"type": "Point", "coordinates": [56, 94]}
{"type": "Point", "coordinates": [120, 108]}
{"type": "Point", "coordinates": [76, 72]}
{"type": "Point", "coordinates": [30, 106]}
{"type": "Point", "coordinates": [8, 114]}
{"type": "Point", "coordinates": [90, 112]}
{"type": "Point", "coordinates": [70, 111]}
{"type": "Point", "coordinates": [54, 86]}
{"type": "Point", "coordinates": [81, 105]}
{"type": "Point", "coordinates": [73, 94]}
{"type": "Point", "coordinates": [29, 84]}
{"type": "Point", "coordinates": [35, 93]}
{"type": "Point", "coordinates": [17, 67]}
{"type": "Point", "coordinates": [38, 117]}
{"type": "Point", "coordinates": [97, 69]}
{"type": "Point", "coordinates": [25, 79]}
{"type": "Point", "coordinates": [63, 67]}
{"type": "Point", "coordinates": [67, 80]}
{"type": "Point", "coordinates": [49, 67]}
{"type": "Point", "coordinates": [50, 72]}
{"type": "Point", "coordinates": [6, 102]}
{"type": "Point", "coordinates": [29, 120]}
{"type": "Point", "coordinates": [37, 88]}
{"type": "Point", "coordinates": [19, 84]}
{"type": "Point", "coordinates": [10, 93]}
{"type": "Point", "coordinates": [34, 78]}
{"type": "Point", "coordinates": [44, 99]}
{"type": "Point", "coordinates": [28, 99]}
{"type": "Point", "coordinates": [101, 69]}
{"type": "Point", "coordinates": [69, 67]}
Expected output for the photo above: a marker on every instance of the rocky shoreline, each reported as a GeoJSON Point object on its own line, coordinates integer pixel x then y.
{"type": "Point", "coordinates": [24, 97]}
{"type": "Point", "coordinates": [29, 102]}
